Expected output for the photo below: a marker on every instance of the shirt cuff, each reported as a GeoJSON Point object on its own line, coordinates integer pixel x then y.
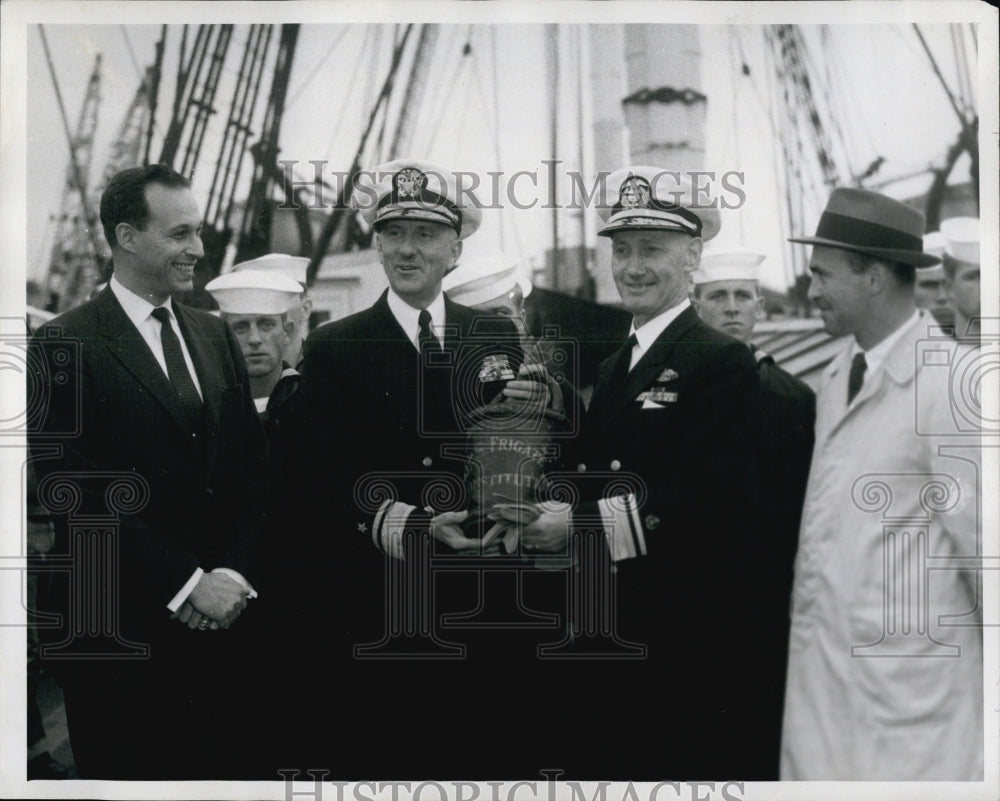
{"type": "Point", "coordinates": [181, 597]}
{"type": "Point", "coordinates": [389, 526]}
{"type": "Point", "coordinates": [622, 527]}
{"type": "Point", "coordinates": [238, 578]}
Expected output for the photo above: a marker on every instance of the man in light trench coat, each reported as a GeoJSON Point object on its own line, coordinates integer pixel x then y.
{"type": "Point", "coordinates": [885, 673]}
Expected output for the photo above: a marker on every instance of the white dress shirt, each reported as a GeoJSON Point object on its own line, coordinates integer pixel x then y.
{"type": "Point", "coordinates": [876, 355]}
{"type": "Point", "coordinates": [647, 334]}
{"type": "Point", "coordinates": [140, 312]}
{"type": "Point", "coordinates": [409, 318]}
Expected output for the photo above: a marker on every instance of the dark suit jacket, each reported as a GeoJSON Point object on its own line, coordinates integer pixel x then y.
{"type": "Point", "coordinates": [104, 400]}
{"type": "Point", "coordinates": [786, 423]}
{"type": "Point", "coordinates": [690, 600]}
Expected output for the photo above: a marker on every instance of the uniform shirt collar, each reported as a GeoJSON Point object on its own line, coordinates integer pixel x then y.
{"type": "Point", "coordinates": [408, 317]}
{"type": "Point", "coordinates": [875, 357]}
{"type": "Point", "coordinates": [136, 308]}
{"type": "Point", "coordinates": [647, 334]}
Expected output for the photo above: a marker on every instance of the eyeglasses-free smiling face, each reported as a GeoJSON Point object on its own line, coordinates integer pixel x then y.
{"type": "Point", "coordinates": [163, 254]}
{"type": "Point", "coordinates": [415, 256]}
{"type": "Point", "coordinates": [651, 269]}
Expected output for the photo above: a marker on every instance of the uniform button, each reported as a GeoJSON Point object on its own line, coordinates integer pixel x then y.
{"type": "Point", "coordinates": [581, 468]}
{"type": "Point", "coordinates": [428, 461]}
{"type": "Point", "coordinates": [616, 465]}
{"type": "Point", "coordinates": [652, 522]}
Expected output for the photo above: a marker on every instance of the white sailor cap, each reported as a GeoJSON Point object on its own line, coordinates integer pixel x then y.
{"type": "Point", "coordinates": [292, 266]}
{"type": "Point", "coordinates": [733, 264]}
{"type": "Point", "coordinates": [934, 244]}
{"type": "Point", "coordinates": [480, 279]}
{"type": "Point", "coordinates": [961, 238]}
{"type": "Point", "coordinates": [652, 198]}
{"type": "Point", "coordinates": [410, 189]}
{"type": "Point", "coordinates": [254, 292]}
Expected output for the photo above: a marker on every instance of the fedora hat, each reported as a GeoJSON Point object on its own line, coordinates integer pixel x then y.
{"type": "Point", "coordinates": [870, 223]}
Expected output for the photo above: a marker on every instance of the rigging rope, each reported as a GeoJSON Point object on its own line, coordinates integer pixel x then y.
{"type": "Point", "coordinates": [944, 84]}
{"type": "Point", "coordinates": [322, 62]}
{"type": "Point", "coordinates": [80, 178]}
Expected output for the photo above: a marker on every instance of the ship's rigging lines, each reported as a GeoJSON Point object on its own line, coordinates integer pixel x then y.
{"type": "Point", "coordinates": [805, 108]}
{"type": "Point", "coordinates": [76, 253]}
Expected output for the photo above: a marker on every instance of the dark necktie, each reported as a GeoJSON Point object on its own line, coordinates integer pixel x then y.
{"type": "Point", "coordinates": [620, 369]}
{"type": "Point", "coordinates": [426, 335]}
{"type": "Point", "coordinates": [177, 368]}
{"type": "Point", "coordinates": [857, 376]}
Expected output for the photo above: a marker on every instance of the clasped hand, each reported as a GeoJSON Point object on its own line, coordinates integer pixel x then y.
{"type": "Point", "coordinates": [541, 527]}
{"type": "Point", "coordinates": [545, 530]}
{"type": "Point", "coordinates": [535, 385]}
{"type": "Point", "coordinates": [216, 598]}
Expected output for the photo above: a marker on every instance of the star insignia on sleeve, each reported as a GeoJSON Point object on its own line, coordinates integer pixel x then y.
{"type": "Point", "coordinates": [363, 527]}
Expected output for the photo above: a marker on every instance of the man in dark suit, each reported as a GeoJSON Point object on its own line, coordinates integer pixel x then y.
{"type": "Point", "coordinates": [665, 469]}
{"type": "Point", "coordinates": [386, 396]}
{"type": "Point", "coordinates": [149, 406]}
{"type": "Point", "coordinates": [727, 297]}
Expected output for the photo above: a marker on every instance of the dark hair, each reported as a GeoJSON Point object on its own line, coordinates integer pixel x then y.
{"type": "Point", "coordinates": [124, 199]}
{"type": "Point", "coordinates": [905, 274]}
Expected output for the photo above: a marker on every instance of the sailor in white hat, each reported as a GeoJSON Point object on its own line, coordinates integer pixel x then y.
{"type": "Point", "coordinates": [928, 288]}
{"type": "Point", "coordinates": [256, 305]}
{"type": "Point", "coordinates": [961, 269]}
{"type": "Point", "coordinates": [727, 292]}
{"type": "Point", "coordinates": [293, 267]}
{"type": "Point", "coordinates": [492, 284]}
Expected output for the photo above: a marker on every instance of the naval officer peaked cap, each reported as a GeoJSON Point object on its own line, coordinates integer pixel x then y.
{"type": "Point", "coordinates": [410, 189]}
{"type": "Point", "coordinates": [642, 198]}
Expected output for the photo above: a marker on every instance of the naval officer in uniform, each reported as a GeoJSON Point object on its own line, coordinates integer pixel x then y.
{"type": "Point", "coordinates": [385, 394]}
{"type": "Point", "coordinates": [727, 296]}
{"type": "Point", "coordinates": [672, 418]}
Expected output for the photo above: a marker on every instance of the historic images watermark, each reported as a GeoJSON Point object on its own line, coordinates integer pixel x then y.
{"type": "Point", "coordinates": [911, 507]}
{"type": "Point", "coordinates": [544, 187]}
{"type": "Point", "coordinates": [549, 789]}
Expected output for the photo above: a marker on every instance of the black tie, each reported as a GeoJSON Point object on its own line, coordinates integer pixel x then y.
{"type": "Point", "coordinates": [857, 376]}
{"type": "Point", "coordinates": [426, 335]}
{"type": "Point", "coordinates": [177, 368]}
{"type": "Point", "coordinates": [621, 364]}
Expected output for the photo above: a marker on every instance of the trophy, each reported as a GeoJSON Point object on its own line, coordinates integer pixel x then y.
{"type": "Point", "coordinates": [509, 453]}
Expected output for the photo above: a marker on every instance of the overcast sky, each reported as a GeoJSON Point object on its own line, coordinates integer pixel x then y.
{"type": "Point", "coordinates": [476, 117]}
